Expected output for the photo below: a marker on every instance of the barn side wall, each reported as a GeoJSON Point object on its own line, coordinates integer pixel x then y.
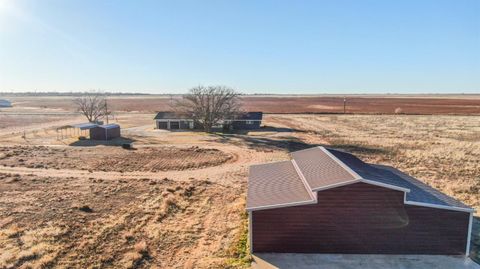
{"type": "Point", "coordinates": [97, 133]}
{"type": "Point", "coordinates": [113, 133]}
{"type": "Point", "coordinates": [360, 219]}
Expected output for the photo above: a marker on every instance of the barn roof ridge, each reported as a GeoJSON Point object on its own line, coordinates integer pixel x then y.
{"type": "Point", "coordinates": [320, 168]}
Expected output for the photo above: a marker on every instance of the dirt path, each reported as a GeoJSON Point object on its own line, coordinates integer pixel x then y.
{"type": "Point", "coordinates": [232, 172]}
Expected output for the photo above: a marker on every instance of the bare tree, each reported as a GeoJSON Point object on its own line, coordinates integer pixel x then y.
{"type": "Point", "coordinates": [209, 105]}
{"type": "Point", "coordinates": [92, 105]}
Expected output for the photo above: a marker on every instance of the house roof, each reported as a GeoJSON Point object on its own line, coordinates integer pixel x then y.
{"type": "Point", "coordinates": [164, 115]}
{"type": "Point", "coordinates": [250, 116]}
{"type": "Point", "coordinates": [278, 185]}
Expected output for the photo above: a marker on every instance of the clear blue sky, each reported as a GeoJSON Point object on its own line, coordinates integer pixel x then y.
{"type": "Point", "coordinates": [336, 46]}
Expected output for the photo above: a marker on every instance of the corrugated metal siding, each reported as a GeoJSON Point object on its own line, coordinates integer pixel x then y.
{"type": "Point", "coordinates": [360, 218]}
{"type": "Point", "coordinates": [98, 133]}
{"type": "Point", "coordinates": [113, 133]}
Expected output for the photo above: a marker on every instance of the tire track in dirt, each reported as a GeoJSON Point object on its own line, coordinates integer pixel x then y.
{"type": "Point", "coordinates": [220, 174]}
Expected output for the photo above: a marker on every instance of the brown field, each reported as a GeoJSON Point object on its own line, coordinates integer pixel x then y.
{"type": "Point", "coordinates": [363, 104]}
{"type": "Point", "coordinates": [12, 122]}
{"type": "Point", "coordinates": [178, 200]}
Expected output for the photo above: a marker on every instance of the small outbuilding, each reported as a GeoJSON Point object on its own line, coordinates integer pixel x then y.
{"type": "Point", "coordinates": [329, 201]}
{"type": "Point", "coordinates": [97, 131]}
{"type": "Point", "coordinates": [5, 103]}
{"type": "Point", "coordinates": [105, 132]}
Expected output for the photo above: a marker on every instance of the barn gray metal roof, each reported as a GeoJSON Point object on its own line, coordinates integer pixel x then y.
{"type": "Point", "coordinates": [276, 184]}
{"type": "Point", "coordinates": [296, 182]}
{"type": "Point", "coordinates": [320, 169]}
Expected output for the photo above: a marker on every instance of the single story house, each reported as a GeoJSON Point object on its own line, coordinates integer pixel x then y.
{"type": "Point", "coordinates": [175, 121]}
{"type": "Point", "coordinates": [5, 103]}
{"type": "Point", "coordinates": [99, 131]}
{"type": "Point", "coordinates": [329, 201]}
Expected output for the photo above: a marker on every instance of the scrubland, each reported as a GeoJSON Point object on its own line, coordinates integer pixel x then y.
{"type": "Point", "coordinates": [178, 200]}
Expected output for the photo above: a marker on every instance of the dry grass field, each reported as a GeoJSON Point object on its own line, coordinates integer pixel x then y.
{"type": "Point", "coordinates": [178, 200]}
{"type": "Point", "coordinates": [443, 151]}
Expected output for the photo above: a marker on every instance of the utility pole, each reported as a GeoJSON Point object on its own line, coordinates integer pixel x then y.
{"type": "Point", "coordinates": [106, 108]}
{"type": "Point", "coordinates": [344, 105]}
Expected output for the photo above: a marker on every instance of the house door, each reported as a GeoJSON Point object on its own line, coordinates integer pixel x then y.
{"type": "Point", "coordinates": [174, 125]}
{"type": "Point", "coordinates": [162, 125]}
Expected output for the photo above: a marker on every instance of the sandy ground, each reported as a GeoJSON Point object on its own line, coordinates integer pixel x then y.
{"type": "Point", "coordinates": [72, 207]}
{"type": "Point", "coordinates": [179, 203]}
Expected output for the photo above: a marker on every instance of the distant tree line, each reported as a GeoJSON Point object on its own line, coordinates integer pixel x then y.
{"type": "Point", "coordinates": [69, 93]}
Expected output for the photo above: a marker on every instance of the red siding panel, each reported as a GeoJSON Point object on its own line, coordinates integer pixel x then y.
{"type": "Point", "coordinates": [360, 218]}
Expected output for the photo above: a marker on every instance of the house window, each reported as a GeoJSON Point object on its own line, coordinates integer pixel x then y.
{"type": "Point", "coordinates": [250, 122]}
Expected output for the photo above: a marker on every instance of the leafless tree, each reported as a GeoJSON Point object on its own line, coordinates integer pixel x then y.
{"type": "Point", "coordinates": [92, 105]}
{"type": "Point", "coordinates": [209, 105]}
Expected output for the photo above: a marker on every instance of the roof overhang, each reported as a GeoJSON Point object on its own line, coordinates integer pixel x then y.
{"type": "Point", "coordinates": [84, 126]}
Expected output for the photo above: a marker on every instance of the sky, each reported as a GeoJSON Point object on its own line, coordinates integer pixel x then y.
{"type": "Point", "coordinates": [256, 46]}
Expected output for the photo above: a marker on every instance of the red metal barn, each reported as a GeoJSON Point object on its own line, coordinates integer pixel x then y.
{"type": "Point", "coordinates": [105, 132]}
{"type": "Point", "coordinates": [329, 201]}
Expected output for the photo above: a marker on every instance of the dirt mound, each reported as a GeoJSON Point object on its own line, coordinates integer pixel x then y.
{"type": "Point", "coordinates": [112, 159]}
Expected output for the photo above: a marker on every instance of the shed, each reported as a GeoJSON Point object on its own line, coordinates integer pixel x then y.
{"type": "Point", "coordinates": [329, 201]}
{"type": "Point", "coordinates": [5, 103]}
{"type": "Point", "coordinates": [105, 132]}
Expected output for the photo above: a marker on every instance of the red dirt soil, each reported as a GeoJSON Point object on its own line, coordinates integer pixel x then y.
{"type": "Point", "coordinates": [369, 105]}
{"type": "Point", "coordinates": [290, 104]}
